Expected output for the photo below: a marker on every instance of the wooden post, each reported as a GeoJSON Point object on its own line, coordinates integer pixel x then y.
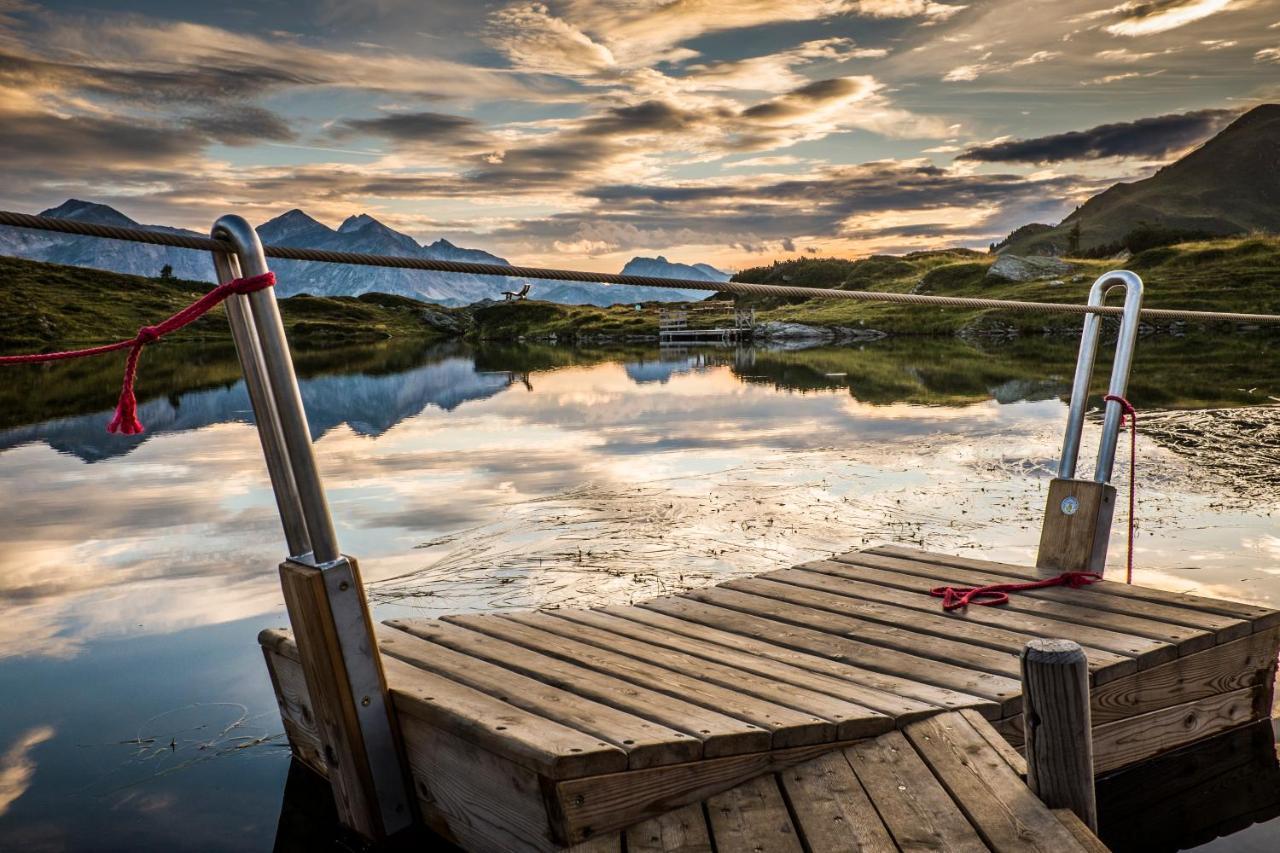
{"type": "Point", "coordinates": [349, 699]}
{"type": "Point", "coordinates": [1059, 745]}
{"type": "Point", "coordinates": [1077, 526]}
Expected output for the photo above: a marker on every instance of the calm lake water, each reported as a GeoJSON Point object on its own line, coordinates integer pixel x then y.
{"type": "Point", "coordinates": [135, 572]}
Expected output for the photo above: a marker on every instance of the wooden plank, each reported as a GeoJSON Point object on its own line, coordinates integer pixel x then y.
{"type": "Point", "coordinates": [776, 672]}
{"type": "Point", "coordinates": [1144, 618]}
{"type": "Point", "coordinates": [1076, 542]}
{"type": "Point", "coordinates": [332, 702]}
{"type": "Point", "coordinates": [918, 812]}
{"type": "Point", "coordinates": [682, 830]}
{"type": "Point", "coordinates": [1129, 741]}
{"type": "Point", "coordinates": [831, 810]}
{"type": "Point", "coordinates": [570, 727]}
{"type": "Point", "coordinates": [1005, 691]}
{"type": "Point", "coordinates": [1100, 628]}
{"type": "Point", "coordinates": [1002, 747]}
{"type": "Point", "coordinates": [1249, 662]}
{"type": "Point", "coordinates": [752, 817]}
{"type": "Point", "coordinates": [1070, 821]}
{"type": "Point", "coordinates": [720, 734]}
{"type": "Point", "coordinates": [1261, 618]}
{"type": "Point", "coordinates": [852, 720]}
{"type": "Point", "coordinates": [601, 803]}
{"type": "Point", "coordinates": [786, 726]}
{"type": "Point", "coordinates": [488, 802]}
{"type": "Point", "coordinates": [285, 672]}
{"type": "Point", "coordinates": [611, 843]}
{"type": "Point", "coordinates": [998, 804]}
{"type": "Point", "coordinates": [899, 638]}
{"type": "Point", "coordinates": [997, 627]}
{"type": "Point", "coordinates": [858, 677]}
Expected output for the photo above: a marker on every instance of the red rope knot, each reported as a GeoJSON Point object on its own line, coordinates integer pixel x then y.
{"type": "Point", "coordinates": [1127, 410]}
{"type": "Point", "coordinates": [126, 420]}
{"type": "Point", "coordinates": [953, 598]}
{"type": "Point", "coordinates": [252, 283]}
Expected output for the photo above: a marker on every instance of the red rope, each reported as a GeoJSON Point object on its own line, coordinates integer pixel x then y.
{"type": "Point", "coordinates": [1127, 409]}
{"type": "Point", "coordinates": [954, 597]}
{"type": "Point", "coordinates": [126, 417]}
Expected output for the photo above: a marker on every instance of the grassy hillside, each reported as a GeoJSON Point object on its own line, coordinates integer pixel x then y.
{"type": "Point", "coordinates": [1239, 274]}
{"type": "Point", "coordinates": [51, 306]}
{"type": "Point", "coordinates": [1230, 185]}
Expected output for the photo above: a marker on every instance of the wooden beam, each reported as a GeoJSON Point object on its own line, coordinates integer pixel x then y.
{"type": "Point", "coordinates": [1059, 747]}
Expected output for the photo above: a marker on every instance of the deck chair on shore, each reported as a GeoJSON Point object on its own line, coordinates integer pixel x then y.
{"type": "Point", "coordinates": [516, 295]}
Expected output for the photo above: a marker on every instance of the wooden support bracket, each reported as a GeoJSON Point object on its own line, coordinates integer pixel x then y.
{"type": "Point", "coordinates": [348, 691]}
{"type": "Point", "coordinates": [1077, 525]}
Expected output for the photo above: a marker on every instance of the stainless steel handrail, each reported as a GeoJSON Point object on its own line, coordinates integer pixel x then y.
{"type": "Point", "coordinates": [1125, 346]}
{"type": "Point", "coordinates": [276, 365]}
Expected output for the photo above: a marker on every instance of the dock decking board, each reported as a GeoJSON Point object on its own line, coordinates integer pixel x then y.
{"type": "Point", "coordinates": [828, 706]}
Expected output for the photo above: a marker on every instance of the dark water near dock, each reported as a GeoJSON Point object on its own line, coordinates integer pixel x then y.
{"type": "Point", "coordinates": [135, 572]}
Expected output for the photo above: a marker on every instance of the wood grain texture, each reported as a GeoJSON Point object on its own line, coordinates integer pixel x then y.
{"type": "Point", "coordinates": [489, 803]}
{"type": "Point", "coordinates": [915, 693]}
{"type": "Point", "coordinates": [1076, 542]}
{"type": "Point", "coordinates": [918, 812]}
{"type": "Point", "coordinates": [1262, 618]}
{"type": "Point", "coordinates": [1249, 662]}
{"type": "Point", "coordinates": [1145, 736]}
{"type": "Point", "coordinates": [777, 673]}
{"type": "Point", "coordinates": [294, 702]}
{"type": "Point", "coordinates": [941, 568]}
{"type": "Point", "coordinates": [831, 809]}
{"type": "Point", "coordinates": [1002, 747]}
{"type": "Point", "coordinates": [754, 817]}
{"type": "Point", "coordinates": [897, 638]}
{"type": "Point", "coordinates": [850, 720]}
{"type": "Point", "coordinates": [718, 733]}
{"type": "Point", "coordinates": [1007, 692]}
{"type": "Point", "coordinates": [996, 801]}
{"type": "Point", "coordinates": [682, 830]}
{"type": "Point", "coordinates": [1040, 617]}
{"type": "Point", "coordinates": [600, 803]}
{"type": "Point", "coordinates": [1088, 842]}
{"type": "Point", "coordinates": [332, 704]}
{"type": "Point", "coordinates": [1057, 727]}
{"type": "Point", "coordinates": [998, 628]}
{"type": "Point", "coordinates": [578, 737]}
{"type": "Point", "coordinates": [786, 726]}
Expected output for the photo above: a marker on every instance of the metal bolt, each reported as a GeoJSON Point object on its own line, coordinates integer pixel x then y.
{"type": "Point", "coordinates": [344, 586]}
{"type": "Point", "coordinates": [365, 701]}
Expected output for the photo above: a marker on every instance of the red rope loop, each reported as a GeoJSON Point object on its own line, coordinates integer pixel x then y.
{"type": "Point", "coordinates": [1127, 410]}
{"type": "Point", "coordinates": [126, 417]}
{"type": "Point", "coordinates": [955, 597]}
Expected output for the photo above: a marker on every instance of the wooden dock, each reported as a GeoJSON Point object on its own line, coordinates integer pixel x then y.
{"type": "Point", "coordinates": [539, 731]}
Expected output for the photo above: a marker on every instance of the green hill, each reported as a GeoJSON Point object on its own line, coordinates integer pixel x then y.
{"type": "Point", "coordinates": [1228, 186]}
{"type": "Point", "coordinates": [46, 306]}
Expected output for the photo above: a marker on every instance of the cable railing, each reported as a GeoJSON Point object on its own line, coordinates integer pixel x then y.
{"type": "Point", "coordinates": [741, 288]}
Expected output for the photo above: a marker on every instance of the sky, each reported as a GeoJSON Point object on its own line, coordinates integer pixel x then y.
{"type": "Point", "coordinates": [581, 133]}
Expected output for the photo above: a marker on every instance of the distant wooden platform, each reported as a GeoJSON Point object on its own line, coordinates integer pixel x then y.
{"type": "Point", "coordinates": [531, 731]}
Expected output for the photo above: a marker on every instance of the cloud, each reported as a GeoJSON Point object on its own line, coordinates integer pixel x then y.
{"type": "Point", "coordinates": [1148, 17]}
{"type": "Point", "coordinates": [1268, 54]}
{"type": "Point", "coordinates": [965, 73]}
{"type": "Point", "coordinates": [417, 129]}
{"type": "Point", "coordinates": [245, 124]}
{"type": "Point", "coordinates": [17, 767]}
{"type": "Point", "coordinates": [1153, 138]}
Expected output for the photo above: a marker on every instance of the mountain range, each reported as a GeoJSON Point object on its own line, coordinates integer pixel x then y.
{"type": "Point", "coordinates": [1229, 185]}
{"type": "Point", "coordinates": [360, 233]}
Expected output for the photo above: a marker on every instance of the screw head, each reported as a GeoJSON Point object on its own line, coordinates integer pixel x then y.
{"type": "Point", "coordinates": [344, 586]}
{"type": "Point", "coordinates": [365, 701]}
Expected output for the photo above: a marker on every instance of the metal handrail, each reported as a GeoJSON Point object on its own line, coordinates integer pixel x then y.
{"type": "Point", "coordinates": [1125, 345]}
{"type": "Point", "coordinates": [286, 439]}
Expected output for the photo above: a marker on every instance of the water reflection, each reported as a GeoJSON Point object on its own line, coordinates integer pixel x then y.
{"type": "Point", "coordinates": [502, 476]}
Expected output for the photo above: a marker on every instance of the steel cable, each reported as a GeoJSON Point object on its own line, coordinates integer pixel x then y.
{"type": "Point", "coordinates": [208, 244]}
